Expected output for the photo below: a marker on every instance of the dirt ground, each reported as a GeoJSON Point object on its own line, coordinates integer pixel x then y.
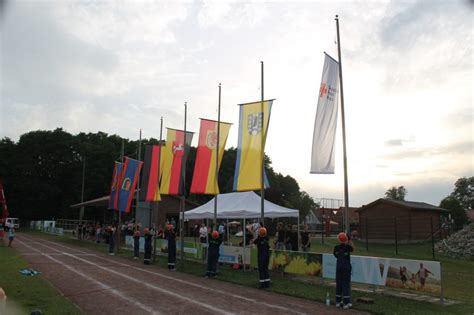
{"type": "Point", "coordinates": [102, 284]}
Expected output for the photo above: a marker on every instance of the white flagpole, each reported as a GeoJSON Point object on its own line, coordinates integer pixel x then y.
{"type": "Point", "coordinates": [346, 185]}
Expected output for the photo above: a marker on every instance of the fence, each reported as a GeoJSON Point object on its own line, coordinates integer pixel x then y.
{"type": "Point", "coordinates": [395, 231]}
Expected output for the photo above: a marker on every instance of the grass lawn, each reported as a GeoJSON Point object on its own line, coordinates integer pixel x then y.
{"type": "Point", "coordinates": [26, 293]}
{"type": "Point", "coordinates": [457, 280]}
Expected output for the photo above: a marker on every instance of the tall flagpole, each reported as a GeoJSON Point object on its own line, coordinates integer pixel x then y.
{"type": "Point", "coordinates": [217, 156]}
{"type": "Point", "coordinates": [122, 153]}
{"type": "Point", "coordinates": [161, 143]}
{"type": "Point", "coordinates": [139, 153]}
{"type": "Point", "coordinates": [183, 186]}
{"type": "Point", "coordinates": [262, 172]}
{"type": "Point", "coordinates": [346, 186]}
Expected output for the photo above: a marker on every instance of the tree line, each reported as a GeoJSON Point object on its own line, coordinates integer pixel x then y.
{"type": "Point", "coordinates": [42, 173]}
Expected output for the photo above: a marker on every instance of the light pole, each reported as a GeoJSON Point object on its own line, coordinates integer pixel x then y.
{"type": "Point", "coordinates": [81, 215]}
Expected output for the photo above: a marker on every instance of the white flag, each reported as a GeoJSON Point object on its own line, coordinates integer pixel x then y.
{"type": "Point", "coordinates": [324, 136]}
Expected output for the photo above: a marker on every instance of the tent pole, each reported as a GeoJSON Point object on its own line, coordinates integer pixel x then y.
{"type": "Point", "coordinates": [228, 236]}
{"type": "Point", "coordinates": [298, 232]}
{"type": "Point", "coordinates": [244, 231]}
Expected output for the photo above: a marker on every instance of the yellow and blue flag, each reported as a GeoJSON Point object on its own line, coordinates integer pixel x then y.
{"type": "Point", "coordinates": [253, 125]}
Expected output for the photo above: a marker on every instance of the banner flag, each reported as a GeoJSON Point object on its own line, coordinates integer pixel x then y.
{"type": "Point", "coordinates": [174, 161]}
{"type": "Point", "coordinates": [149, 188]}
{"type": "Point", "coordinates": [127, 184]}
{"type": "Point", "coordinates": [113, 187]}
{"type": "Point", "coordinates": [324, 136]}
{"type": "Point", "coordinates": [253, 125]}
{"type": "Point", "coordinates": [3, 201]}
{"type": "Point", "coordinates": [204, 176]}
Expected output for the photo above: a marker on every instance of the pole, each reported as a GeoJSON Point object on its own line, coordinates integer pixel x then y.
{"type": "Point", "coordinates": [122, 153]}
{"type": "Point", "coordinates": [346, 185]}
{"type": "Point", "coordinates": [244, 233]}
{"type": "Point", "coordinates": [160, 143]}
{"type": "Point", "coordinates": [138, 181]}
{"type": "Point", "coordinates": [396, 237]}
{"type": "Point", "coordinates": [81, 214]}
{"type": "Point", "coordinates": [432, 239]}
{"type": "Point", "coordinates": [262, 172]}
{"type": "Point", "coordinates": [217, 155]}
{"type": "Point", "coordinates": [367, 233]}
{"type": "Point", "coordinates": [183, 174]}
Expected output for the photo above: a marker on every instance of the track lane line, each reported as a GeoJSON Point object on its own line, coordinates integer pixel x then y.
{"type": "Point", "coordinates": [103, 286]}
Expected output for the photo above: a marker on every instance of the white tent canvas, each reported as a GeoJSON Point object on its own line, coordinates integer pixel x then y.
{"type": "Point", "coordinates": [240, 205]}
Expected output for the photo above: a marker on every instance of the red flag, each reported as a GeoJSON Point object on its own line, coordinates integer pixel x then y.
{"type": "Point", "coordinates": [149, 185]}
{"type": "Point", "coordinates": [3, 201]}
{"type": "Point", "coordinates": [113, 187]}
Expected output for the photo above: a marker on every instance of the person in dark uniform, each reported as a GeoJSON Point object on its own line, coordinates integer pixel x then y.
{"type": "Point", "coordinates": [171, 237]}
{"type": "Point", "coordinates": [342, 252]}
{"type": "Point", "coordinates": [148, 235]}
{"type": "Point", "coordinates": [215, 242]}
{"type": "Point", "coordinates": [263, 248]}
{"type": "Point", "coordinates": [280, 239]}
{"type": "Point", "coordinates": [305, 244]}
{"type": "Point", "coordinates": [136, 243]}
{"type": "Point", "coordinates": [111, 240]}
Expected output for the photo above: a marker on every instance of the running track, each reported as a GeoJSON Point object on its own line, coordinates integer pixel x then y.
{"type": "Point", "coordinates": [102, 284]}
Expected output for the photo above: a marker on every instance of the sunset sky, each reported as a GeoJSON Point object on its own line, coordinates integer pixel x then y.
{"type": "Point", "coordinates": [116, 67]}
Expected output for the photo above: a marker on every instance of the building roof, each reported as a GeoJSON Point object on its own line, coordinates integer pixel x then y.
{"type": "Point", "coordinates": [414, 205]}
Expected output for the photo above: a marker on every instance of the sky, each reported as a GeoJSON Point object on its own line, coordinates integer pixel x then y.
{"type": "Point", "coordinates": [118, 66]}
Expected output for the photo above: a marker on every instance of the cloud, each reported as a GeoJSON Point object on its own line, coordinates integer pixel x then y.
{"type": "Point", "coordinates": [394, 142]}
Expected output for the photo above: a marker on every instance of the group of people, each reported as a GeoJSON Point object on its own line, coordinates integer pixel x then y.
{"type": "Point", "coordinates": [9, 230]}
{"type": "Point", "coordinates": [286, 238]}
{"type": "Point", "coordinates": [422, 274]}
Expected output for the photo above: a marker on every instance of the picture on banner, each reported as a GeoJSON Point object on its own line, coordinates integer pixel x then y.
{"type": "Point", "coordinates": [296, 263]}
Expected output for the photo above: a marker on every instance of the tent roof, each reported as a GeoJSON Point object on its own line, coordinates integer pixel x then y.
{"type": "Point", "coordinates": [239, 205]}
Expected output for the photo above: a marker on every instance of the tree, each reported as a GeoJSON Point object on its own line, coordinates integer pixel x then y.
{"type": "Point", "coordinates": [396, 193]}
{"type": "Point", "coordinates": [464, 192]}
{"type": "Point", "coordinates": [457, 211]}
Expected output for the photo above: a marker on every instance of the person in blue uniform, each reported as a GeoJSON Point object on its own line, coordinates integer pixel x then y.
{"type": "Point", "coordinates": [148, 236]}
{"type": "Point", "coordinates": [111, 240]}
{"type": "Point", "coordinates": [171, 237]}
{"type": "Point", "coordinates": [136, 243]}
{"type": "Point", "coordinates": [263, 248]}
{"type": "Point", "coordinates": [215, 242]}
{"type": "Point", "coordinates": [342, 252]}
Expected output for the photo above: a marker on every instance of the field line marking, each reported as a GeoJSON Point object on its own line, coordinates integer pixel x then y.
{"type": "Point", "coordinates": [104, 286]}
{"type": "Point", "coordinates": [237, 296]}
{"type": "Point", "coordinates": [205, 305]}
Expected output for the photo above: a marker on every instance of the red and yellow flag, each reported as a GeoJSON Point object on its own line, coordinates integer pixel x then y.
{"type": "Point", "coordinates": [174, 161]}
{"type": "Point", "coordinates": [204, 176]}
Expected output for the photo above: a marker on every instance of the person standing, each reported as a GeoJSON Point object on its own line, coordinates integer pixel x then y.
{"type": "Point", "coordinates": [423, 274]}
{"type": "Point", "coordinates": [203, 233]}
{"type": "Point", "coordinates": [213, 256]}
{"type": "Point", "coordinates": [280, 237]}
{"type": "Point", "coordinates": [171, 237]}
{"type": "Point", "coordinates": [263, 248]}
{"type": "Point", "coordinates": [305, 244]}
{"type": "Point", "coordinates": [148, 235]}
{"type": "Point", "coordinates": [136, 243]}
{"type": "Point", "coordinates": [11, 235]}
{"type": "Point", "coordinates": [342, 252]}
{"type": "Point", "coordinates": [111, 240]}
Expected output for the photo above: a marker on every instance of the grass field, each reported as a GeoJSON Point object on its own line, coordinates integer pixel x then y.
{"type": "Point", "coordinates": [26, 292]}
{"type": "Point", "coordinates": [457, 280]}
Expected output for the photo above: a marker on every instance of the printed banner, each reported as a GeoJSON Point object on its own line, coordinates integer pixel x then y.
{"type": "Point", "coordinates": [324, 135]}
{"type": "Point", "coordinates": [204, 176]}
{"type": "Point", "coordinates": [127, 183]}
{"type": "Point", "coordinates": [113, 186]}
{"type": "Point", "coordinates": [419, 275]}
{"type": "Point", "coordinates": [234, 255]}
{"type": "Point", "coordinates": [174, 161]}
{"type": "Point", "coordinates": [253, 125]}
{"type": "Point", "coordinates": [149, 188]}
{"type": "Point", "coordinates": [296, 262]}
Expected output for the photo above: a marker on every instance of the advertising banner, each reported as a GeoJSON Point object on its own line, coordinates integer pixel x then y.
{"type": "Point", "coordinates": [419, 275]}
{"type": "Point", "coordinates": [234, 254]}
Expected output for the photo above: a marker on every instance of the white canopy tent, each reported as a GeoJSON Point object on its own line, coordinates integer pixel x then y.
{"type": "Point", "coordinates": [240, 205]}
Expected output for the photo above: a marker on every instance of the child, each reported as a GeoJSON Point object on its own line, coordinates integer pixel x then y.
{"type": "Point", "coordinates": [171, 237]}
{"type": "Point", "coordinates": [263, 248]}
{"type": "Point", "coordinates": [342, 252]}
{"type": "Point", "coordinates": [213, 256]}
{"type": "Point", "coordinates": [148, 235]}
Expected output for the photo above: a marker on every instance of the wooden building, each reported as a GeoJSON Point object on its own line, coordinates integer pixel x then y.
{"type": "Point", "coordinates": [387, 220]}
